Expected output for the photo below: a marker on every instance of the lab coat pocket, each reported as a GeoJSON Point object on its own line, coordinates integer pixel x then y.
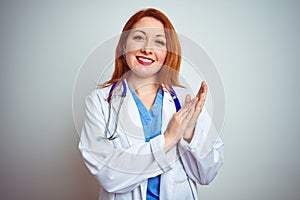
{"type": "Point", "coordinates": [179, 174]}
{"type": "Point", "coordinates": [182, 189]}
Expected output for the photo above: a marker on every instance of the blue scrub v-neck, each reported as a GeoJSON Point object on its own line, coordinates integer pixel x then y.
{"type": "Point", "coordinates": [151, 122]}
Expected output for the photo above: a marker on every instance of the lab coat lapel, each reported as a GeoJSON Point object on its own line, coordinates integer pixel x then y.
{"type": "Point", "coordinates": [129, 122]}
{"type": "Point", "coordinates": [168, 110]}
{"type": "Point", "coordinates": [166, 189]}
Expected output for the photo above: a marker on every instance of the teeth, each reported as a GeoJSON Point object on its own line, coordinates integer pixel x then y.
{"type": "Point", "coordinates": [145, 59]}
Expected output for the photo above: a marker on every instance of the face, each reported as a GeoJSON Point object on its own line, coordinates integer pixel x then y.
{"type": "Point", "coordinates": [145, 48]}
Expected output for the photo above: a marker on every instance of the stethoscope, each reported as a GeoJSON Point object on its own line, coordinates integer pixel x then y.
{"type": "Point", "coordinates": [124, 92]}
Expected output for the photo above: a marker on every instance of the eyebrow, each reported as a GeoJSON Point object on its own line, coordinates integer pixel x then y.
{"type": "Point", "coordinates": [159, 35]}
{"type": "Point", "coordinates": [139, 31]}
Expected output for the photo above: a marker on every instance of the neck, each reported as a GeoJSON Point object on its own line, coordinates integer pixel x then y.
{"type": "Point", "coordinates": [143, 86]}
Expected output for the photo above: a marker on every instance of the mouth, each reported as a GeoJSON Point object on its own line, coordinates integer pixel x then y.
{"type": "Point", "coordinates": [144, 60]}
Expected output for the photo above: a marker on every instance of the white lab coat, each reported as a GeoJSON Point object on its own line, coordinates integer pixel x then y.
{"type": "Point", "coordinates": [123, 165]}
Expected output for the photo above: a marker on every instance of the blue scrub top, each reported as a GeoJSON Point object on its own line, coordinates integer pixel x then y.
{"type": "Point", "coordinates": [151, 122]}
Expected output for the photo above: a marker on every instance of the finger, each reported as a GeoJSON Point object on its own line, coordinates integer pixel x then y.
{"type": "Point", "coordinates": [187, 118]}
{"type": "Point", "coordinates": [189, 104]}
{"type": "Point", "coordinates": [187, 98]}
{"type": "Point", "coordinates": [203, 89]}
{"type": "Point", "coordinates": [195, 114]}
{"type": "Point", "coordinates": [192, 103]}
{"type": "Point", "coordinates": [190, 114]}
{"type": "Point", "coordinates": [190, 108]}
{"type": "Point", "coordinates": [199, 107]}
{"type": "Point", "coordinates": [200, 90]}
{"type": "Point", "coordinates": [182, 113]}
{"type": "Point", "coordinates": [202, 98]}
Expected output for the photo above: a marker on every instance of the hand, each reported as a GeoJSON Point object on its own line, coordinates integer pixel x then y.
{"type": "Point", "coordinates": [178, 124]}
{"type": "Point", "coordinates": [189, 132]}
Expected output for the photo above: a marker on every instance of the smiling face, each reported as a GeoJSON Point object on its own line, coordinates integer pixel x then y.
{"type": "Point", "coordinates": [145, 48]}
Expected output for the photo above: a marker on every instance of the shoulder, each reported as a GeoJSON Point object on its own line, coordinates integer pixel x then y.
{"type": "Point", "coordinates": [97, 96]}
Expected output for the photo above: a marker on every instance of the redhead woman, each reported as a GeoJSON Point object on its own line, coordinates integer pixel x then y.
{"type": "Point", "coordinates": [143, 131]}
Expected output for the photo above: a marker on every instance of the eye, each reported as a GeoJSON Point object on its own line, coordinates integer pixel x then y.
{"type": "Point", "coordinates": [138, 37]}
{"type": "Point", "coordinates": [160, 42]}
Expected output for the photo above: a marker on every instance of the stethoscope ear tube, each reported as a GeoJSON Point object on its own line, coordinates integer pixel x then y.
{"type": "Point", "coordinates": [114, 135]}
{"type": "Point", "coordinates": [175, 99]}
{"type": "Point", "coordinates": [112, 90]}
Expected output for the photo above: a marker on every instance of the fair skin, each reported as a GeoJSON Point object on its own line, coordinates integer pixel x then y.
{"type": "Point", "coordinates": [145, 54]}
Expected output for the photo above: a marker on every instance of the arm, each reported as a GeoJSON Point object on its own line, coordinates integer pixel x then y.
{"type": "Point", "coordinates": [201, 149]}
{"type": "Point", "coordinates": [119, 170]}
{"type": "Point", "coordinates": [204, 155]}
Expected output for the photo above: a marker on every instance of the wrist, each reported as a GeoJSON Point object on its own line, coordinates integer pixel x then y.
{"type": "Point", "coordinates": [170, 141]}
{"type": "Point", "coordinates": [188, 134]}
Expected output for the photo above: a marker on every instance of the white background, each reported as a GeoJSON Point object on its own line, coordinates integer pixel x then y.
{"type": "Point", "coordinates": [254, 45]}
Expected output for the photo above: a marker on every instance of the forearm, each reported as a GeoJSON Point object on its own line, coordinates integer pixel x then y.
{"type": "Point", "coordinates": [201, 169]}
{"type": "Point", "coordinates": [202, 156]}
{"type": "Point", "coordinates": [120, 170]}
{"type": "Point", "coordinates": [189, 134]}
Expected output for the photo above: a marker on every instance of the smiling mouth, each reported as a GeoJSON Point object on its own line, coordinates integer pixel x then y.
{"type": "Point", "coordinates": [144, 60]}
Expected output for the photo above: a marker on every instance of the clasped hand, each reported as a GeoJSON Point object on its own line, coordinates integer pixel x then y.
{"type": "Point", "coordinates": [183, 122]}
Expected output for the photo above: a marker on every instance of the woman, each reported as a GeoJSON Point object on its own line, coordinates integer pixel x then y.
{"type": "Point", "coordinates": [143, 134]}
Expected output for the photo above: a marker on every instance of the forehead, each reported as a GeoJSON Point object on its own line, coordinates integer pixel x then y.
{"type": "Point", "coordinates": [149, 23]}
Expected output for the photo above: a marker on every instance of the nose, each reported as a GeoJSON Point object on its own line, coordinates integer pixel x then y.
{"type": "Point", "coordinates": [147, 48]}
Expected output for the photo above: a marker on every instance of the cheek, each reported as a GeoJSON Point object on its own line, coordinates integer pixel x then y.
{"type": "Point", "coordinates": [130, 58]}
{"type": "Point", "coordinates": [133, 46]}
{"type": "Point", "coordinates": [161, 55]}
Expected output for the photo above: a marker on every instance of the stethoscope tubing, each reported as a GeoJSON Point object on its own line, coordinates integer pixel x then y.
{"type": "Point", "coordinates": [124, 92]}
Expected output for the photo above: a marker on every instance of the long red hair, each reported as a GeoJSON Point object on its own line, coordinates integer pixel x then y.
{"type": "Point", "coordinates": [168, 75]}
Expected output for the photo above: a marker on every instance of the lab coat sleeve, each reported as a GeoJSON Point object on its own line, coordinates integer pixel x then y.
{"type": "Point", "coordinates": [204, 155]}
{"type": "Point", "coordinates": [119, 170]}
